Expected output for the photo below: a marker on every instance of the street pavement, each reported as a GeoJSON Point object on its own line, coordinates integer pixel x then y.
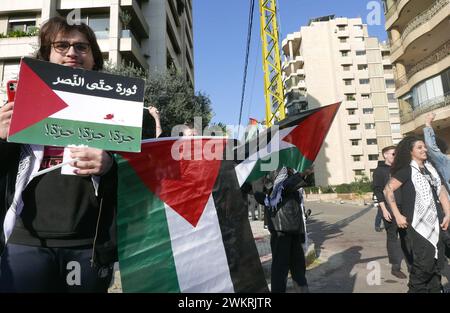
{"type": "Point", "coordinates": [350, 256]}
{"type": "Point", "coordinates": [346, 254]}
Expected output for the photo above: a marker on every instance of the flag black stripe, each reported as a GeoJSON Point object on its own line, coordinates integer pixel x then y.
{"type": "Point", "coordinates": [245, 267]}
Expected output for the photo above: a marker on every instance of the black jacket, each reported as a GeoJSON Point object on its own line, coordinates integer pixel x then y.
{"type": "Point", "coordinates": [381, 176]}
{"type": "Point", "coordinates": [288, 216]}
{"type": "Point", "coordinates": [106, 243]}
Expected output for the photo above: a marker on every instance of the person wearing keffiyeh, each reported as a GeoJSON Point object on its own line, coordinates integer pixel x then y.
{"type": "Point", "coordinates": [286, 223]}
{"type": "Point", "coordinates": [425, 212]}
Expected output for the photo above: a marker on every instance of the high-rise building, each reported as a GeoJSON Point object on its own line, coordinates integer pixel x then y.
{"type": "Point", "coordinates": [153, 34]}
{"type": "Point", "coordinates": [334, 59]}
{"type": "Point", "coordinates": [419, 33]}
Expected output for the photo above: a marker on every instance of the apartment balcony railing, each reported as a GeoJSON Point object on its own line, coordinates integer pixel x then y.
{"type": "Point", "coordinates": [437, 55]}
{"type": "Point", "coordinates": [420, 20]}
{"type": "Point", "coordinates": [425, 107]}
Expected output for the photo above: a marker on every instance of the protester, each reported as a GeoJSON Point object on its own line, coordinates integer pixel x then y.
{"type": "Point", "coordinates": [60, 229]}
{"type": "Point", "coordinates": [423, 197]}
{"type": "Point", "coordinates": [154, 112]}
{"type": "Point", "coordinates": [381, 176]}
{"type": "Point", "coordinates": [286, 224]}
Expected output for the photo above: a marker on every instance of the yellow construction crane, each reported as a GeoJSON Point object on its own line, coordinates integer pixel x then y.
{"type": "Point", "coordinates": [273, 82]}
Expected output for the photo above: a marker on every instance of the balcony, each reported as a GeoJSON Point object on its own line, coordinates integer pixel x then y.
{"type": "Point", "coordinates": [364, 89]}
{"type": "Point", "coordinates": [343, 33]}
{"type": "Point", "coordinates": [77, 4]}
{"type": "Point", "coordinates": [393, 12]}
{"type": "Point", "coordinates": [431, 105]}
{"type": "Point", "coordinates": [129, 47]}
{"type": "Point", "coordinates": [435, 57]}
{"type": "Point", "coordinates": [370, 133]}
{"type": "Point", "coordinates": [409, 34]}
{"type": "Point", "coordinates": [344, 46]}
{"type": "Point", "coordinates": [350, 104]}
{"type": "Point", "coordinates": [138, 22]}
{"type": "Point", "coordinates": [295, 97]}
{"type": "Point", "coordinates": [354, 134]}
{"type": "Point", "coordinates": [365, 103]}
{"type": "Point", "coordinates": [348, 75]}
{"type": "Point", "coordinates": [371, 149]}
{"type": "Point", "coordinates": [358, 165]}
{"type": "Point", "coordinates": [341, 21]}
{"type": "Point", "coordinates": [15, 48]}
{"type": "Point", "coordinates": [356, 150]}
{"type": "Point", "coordinates": [352, 119]}
{"type": "Point", "coordinates": [349, 89]}
{"type": "Point", "coordinates": [346, 60]}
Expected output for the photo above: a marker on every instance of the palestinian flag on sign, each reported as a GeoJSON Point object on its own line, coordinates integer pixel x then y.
{"type": "Point", "coordinates": [57, 105]}
{"type": "Point", "coordinates": [294, 143]}
{"type": "Point", "coordinates": [183, 224]}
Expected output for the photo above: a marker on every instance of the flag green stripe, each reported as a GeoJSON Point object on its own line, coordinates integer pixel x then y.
{"type": "Point", "coordinates": [145, 250]}
{"type": "Point", "coordinates": [290, 157]}
{"type": "Point", "coordinates": [38, 134]}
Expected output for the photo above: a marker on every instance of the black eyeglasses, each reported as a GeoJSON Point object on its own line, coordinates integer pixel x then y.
{"type": "Point", "coordinates": [64, 46]}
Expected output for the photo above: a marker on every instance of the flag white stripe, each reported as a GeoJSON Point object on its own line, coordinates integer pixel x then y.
{"type": "Point", "coordinates": [199, 253]}
{"type": "Point", "coordinates": [244, 169]}
{"type": "Point", "coordinates": [94, 109]}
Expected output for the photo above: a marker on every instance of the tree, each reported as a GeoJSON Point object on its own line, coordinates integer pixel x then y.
{"type": "Point", "coordinates": [171, 94]}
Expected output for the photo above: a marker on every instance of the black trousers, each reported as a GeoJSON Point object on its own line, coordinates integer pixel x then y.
{"type": "Point", "coordinates": [38, 269]}
{"type": "Point", "coordinates": [287, 255]}
{"type": "Point", "coordinates": [396, 247]}
{"type": "Point", "coordinates": [425, 273]}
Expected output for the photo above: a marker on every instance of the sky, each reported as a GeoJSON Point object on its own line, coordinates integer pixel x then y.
{"type": "Point", "coordinates": [220, 36]}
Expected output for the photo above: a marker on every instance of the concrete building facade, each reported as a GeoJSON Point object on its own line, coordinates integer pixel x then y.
{"type": "Point", "coordinates": [159, 33]}
{"type": "Point", "coordinates": [420, 51]}
{"type": "Point", "coordinates": [334, 59]}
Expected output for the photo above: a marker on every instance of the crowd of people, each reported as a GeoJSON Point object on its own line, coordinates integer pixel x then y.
{"type": "Point", "coordinates": [53, 219]}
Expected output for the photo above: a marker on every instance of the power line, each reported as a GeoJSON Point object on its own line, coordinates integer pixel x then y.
{"type": "Point", "coordinates": [249, 37]}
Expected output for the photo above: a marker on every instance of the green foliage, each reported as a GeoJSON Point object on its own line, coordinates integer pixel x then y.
{"type": "Point", "coordinates": [327, 189]}
{"type": "Point", "coordinates": [359, 186]}
{"type": "Point", "coordinates": [170, 94]}
{"type": "Point", "coordinates": [32, 31]}
{"type": "Point", "coordinates": [125, 18]}
{"type": "Point", "coordinates": [312, 189]}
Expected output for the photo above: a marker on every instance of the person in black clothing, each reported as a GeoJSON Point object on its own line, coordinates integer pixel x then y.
{"type": "Point", "coordinates": [60, 230]}
{"type": "Point", "coordinates": [381, 176]}
{"type": "Point", "coordinates": [287, 228]}
{"type": "Point", "coordinates": [424, 212]}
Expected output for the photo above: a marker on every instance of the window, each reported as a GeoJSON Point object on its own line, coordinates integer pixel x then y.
{"type": "Point", "coordinates": [364, 81]}
{"type": "Point", "coordinates": [348, 82]}
{"type": "Point", "coordinates": [342, 40]}
{"type": "Point", "coordinates": [21, 23]}
{"type": "Point", "coordinates": [341, 28]}
{"type": "Point", "coordinates": [361, 52]}
{"type": "Point", "coordinates": [346, 68]}
{"type": "Point", "coordinates": [391, 97]}
{"type": "Point", "coordinates": [369, 125]}
{"type": "Point", "coordinates": [393, 112]}
{"type": "Point", "coordinates": [344, 53]}
{"type": "Point", "coordinates": [387, 67]}
{"type": "Point", "coordinates": [356, 158]}
{"type": "Point", "coordinates": [355, 142]}
{"type": "Point", "coordinates": [390, 83]}
{"type": "Point", "coordinates": [371, 142]}
{"type": "Point", "coordinates": [359, 172]}
{"type": "Point", "coordinates": [350, 97]}
{"type": "Point", "coordinates": [352, 112]}
{"type": "Point", "coordinates": [429, 91]}
{"type": "Point", "coordinates": [373, 157]}
{"type": "Point", "coordinates": [365, 96]}
{"type": "Point", "coordinates": [362, 67]}
{"type": "Point", "coordinates": [368, 111]}
{"type": "Point", "coordinates": [353, 127]}
{"type": "Point", "coordinates": [395, 128]}
{"type": "Point", "coordinates": [99, 24]}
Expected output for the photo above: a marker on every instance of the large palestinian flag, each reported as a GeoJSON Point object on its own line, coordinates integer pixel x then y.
{"type": "Point", "coordinates": [58, 106]}
{"type": "Point", "coordinates": [182, 221]}
{"type": "Point", "coordinates": [294, 143]}
{"type": "Point", "coordinates": [183, 224]}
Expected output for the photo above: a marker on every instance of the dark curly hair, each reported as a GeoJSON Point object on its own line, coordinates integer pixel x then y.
{"type": "Point", "coordinates": [403, 153]}
{"type": "Point", "coordinates": [59, 24]}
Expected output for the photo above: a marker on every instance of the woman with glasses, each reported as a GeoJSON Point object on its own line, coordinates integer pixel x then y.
{"type": "Point", "coordinates": [64, 239]}
{"type": "Point", "coordinates": [425, 212]}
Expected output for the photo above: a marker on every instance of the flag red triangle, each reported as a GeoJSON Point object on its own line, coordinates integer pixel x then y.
{"type": "Point", "coordinates": [184, 185]}
{"type": "Point", "coordinates": [34, 101]}
{"type": "Point", "coordinates": [309, 135]}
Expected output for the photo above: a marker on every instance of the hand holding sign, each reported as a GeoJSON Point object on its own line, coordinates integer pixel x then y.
{"type": "Point", "coordinates": [5, 119]}
{"type": "Point", "coordinates": [90, 161]}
